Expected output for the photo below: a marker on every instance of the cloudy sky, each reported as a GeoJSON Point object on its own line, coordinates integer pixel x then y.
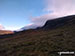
{"type": "Point", "coordinates": [15, 14]}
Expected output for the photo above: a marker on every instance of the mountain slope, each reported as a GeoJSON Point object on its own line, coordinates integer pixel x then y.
{"type": "Point", "coordinates": [40, 42]}
{"type": "Point", "coordinates": [2, 32]}
{"type": "Point", "coordinates": [50, 24]}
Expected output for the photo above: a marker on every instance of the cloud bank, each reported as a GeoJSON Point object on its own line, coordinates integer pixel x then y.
{"type": "Point", "coordinates": [59, 8]}
{"type": "Point", "coordinates": [40, 20]}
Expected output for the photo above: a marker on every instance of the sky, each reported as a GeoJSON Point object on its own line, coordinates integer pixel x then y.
{"type": "Point", "coordinates": [15, 14]}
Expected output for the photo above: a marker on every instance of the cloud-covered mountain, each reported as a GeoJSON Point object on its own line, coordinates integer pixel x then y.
{"type": "Point", "coordinates": [41, 42]}
{"type": "Point", "coordinates": [51, 24]}
{"type": "Point", "coordinates": [55, 9]}
{"type": "Point", "coordinates": [30, 27]}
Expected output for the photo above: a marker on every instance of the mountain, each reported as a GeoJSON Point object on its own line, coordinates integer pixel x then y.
{"type": "Point", "coordinates": [58, 22]}
{"type": "Point", "coordinates": [2, 32]}
{"type": "Point", "coordinates": [55, 36]}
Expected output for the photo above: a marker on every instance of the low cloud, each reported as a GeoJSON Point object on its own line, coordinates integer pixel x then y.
{"type": "Point", "coordinates": [59, 8]}
{"type": "Point", "coordinates": [40, 20]}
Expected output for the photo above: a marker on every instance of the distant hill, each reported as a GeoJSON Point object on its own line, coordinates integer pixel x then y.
{"type": "Point", "coordinates": [55, 36]}
{"type": "Point", "coordinates": [2, 32]}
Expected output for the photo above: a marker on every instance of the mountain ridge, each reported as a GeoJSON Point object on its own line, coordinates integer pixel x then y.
{"type": "Point", "coordinates": [58, 22]}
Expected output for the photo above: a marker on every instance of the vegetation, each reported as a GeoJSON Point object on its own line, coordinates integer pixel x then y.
{"type": "Point", "coordinates": [39, 42]}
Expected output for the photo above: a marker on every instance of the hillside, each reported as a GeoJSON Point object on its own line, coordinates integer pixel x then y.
{"type": "Point", "coordinates": [41, 42]}
{"type": "Point", "coordinates": [2, 32]}
{"type": "Point", "coordinates": [58, 22]}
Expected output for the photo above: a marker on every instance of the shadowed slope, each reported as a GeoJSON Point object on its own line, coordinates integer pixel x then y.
{"type": "Point", "coordinates": [50, 24]}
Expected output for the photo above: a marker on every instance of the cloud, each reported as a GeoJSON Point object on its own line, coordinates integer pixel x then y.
{"type": "Point", "coordinates": [59, 8]}
{"type": "Point", "coordinates": [12, 28]}
{"type": "Point", "coordinates": [40, 20]}
{"type": "Point", "coordinates": [29, 26]}
{"type": "Point", "coordinates": [7, 27]}
{"type": "Point", "coordinates": [1, 27]}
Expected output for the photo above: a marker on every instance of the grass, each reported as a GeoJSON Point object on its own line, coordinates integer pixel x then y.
{"type": "Point", "coordinates": [39, 42]}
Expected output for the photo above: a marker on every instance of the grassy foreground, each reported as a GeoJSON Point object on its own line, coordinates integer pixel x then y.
{"type": "Point", "coordinates": [39, 42]}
